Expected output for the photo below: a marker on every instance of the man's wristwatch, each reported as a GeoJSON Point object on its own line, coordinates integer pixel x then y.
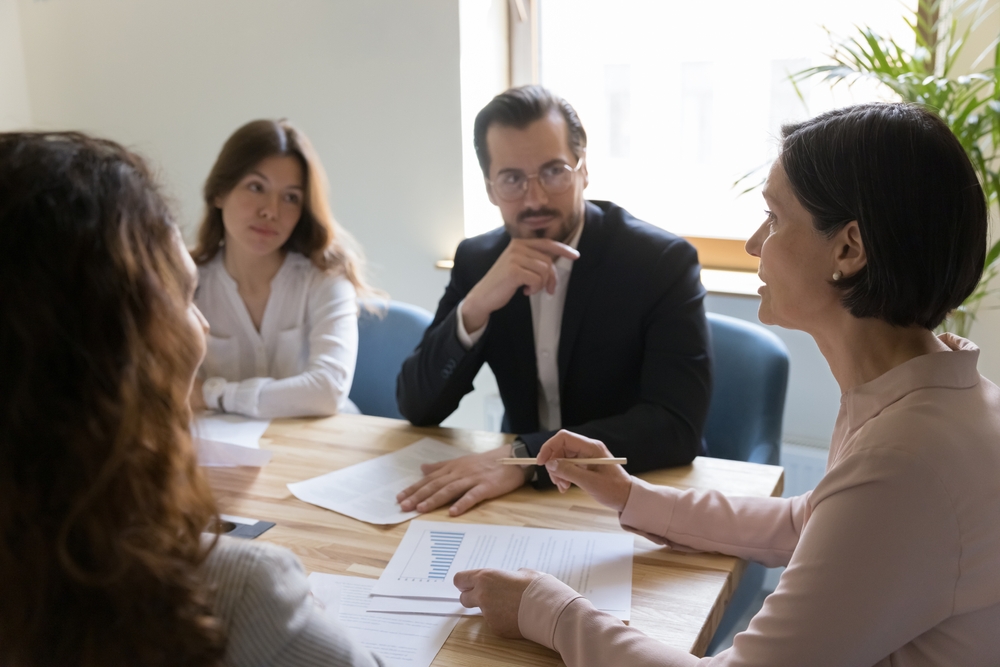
{"type": "Point", "coordinates": [519, 450]}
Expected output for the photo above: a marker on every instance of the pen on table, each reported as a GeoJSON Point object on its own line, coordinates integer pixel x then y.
{"type": "Point", "coordinates": [589, 462]}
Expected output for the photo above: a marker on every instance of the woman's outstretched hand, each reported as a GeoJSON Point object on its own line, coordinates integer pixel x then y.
{"type": "Point", "coordinates": [607, 484]}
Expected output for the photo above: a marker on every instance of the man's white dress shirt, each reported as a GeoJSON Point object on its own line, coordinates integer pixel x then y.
{"type": "Point", "coordinates": [300, 362]}
{"type": "Point", "coordinates": [546, 320]}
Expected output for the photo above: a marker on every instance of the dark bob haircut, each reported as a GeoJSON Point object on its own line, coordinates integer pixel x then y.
{"type": "Point", "coordinates": [900, 172]}
{"type": "Point", "coordinates": [518, 108]}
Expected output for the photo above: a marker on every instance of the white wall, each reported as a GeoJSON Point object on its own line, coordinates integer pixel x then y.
{"type": "Point", "coordinates": [375, 85]}
{"type": "Point", "coordinates": [15, 108]}
{"type": "Point", "coordinates": [986, 334]}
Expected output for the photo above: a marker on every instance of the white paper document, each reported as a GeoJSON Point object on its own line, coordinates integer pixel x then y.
{"type": "Point", "coordinates": [230, 440]}
{"type": "Point", "coordinates": [367, 491]}
{"type": "Point", "coordinates": [420, 576]}
{"type": "Point", "coordinates": [401, 640]}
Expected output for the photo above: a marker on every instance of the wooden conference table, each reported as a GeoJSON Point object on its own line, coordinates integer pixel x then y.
{"type": "Point", "coordinates": [676, 598]}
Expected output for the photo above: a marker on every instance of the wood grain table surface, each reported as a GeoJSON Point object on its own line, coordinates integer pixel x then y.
{"type": "Point", "coordinates": [676, 598]}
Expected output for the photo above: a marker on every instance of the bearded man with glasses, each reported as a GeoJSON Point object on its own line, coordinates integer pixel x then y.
{"type": "Point", "coordinates": [591, 320]}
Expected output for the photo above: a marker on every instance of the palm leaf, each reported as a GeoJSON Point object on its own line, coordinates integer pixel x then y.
{"type": "Point", "coordinates": [993, 254]}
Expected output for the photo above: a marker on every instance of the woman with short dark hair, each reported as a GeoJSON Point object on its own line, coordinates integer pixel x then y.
{"type": "Point", "coordinates": [876, 229]}
{"type": "Point", "coordinates": [103, 561]}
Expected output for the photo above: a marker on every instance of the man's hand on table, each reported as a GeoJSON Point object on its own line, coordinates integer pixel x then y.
{"type": "Point", "coordinates": [498, 594]}
{"type": "Point", "coordinates": [472, 479]}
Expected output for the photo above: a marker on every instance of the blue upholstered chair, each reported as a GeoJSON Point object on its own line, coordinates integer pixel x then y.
{"type": "Point", "coordinates": [750, 371]}
{"type": "Point", "coordinates": [750, 377]}
{"type": "Point", "coordinates": [385, 340]}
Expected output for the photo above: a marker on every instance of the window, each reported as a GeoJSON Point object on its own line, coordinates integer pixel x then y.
{"type": "Point", "coordinates": [682, 99]}
{"type": "Point", "coordinates": [679, 99]}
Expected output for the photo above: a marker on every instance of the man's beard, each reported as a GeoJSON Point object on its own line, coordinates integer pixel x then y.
{"type": "Point", "coordinates": [565, 229]}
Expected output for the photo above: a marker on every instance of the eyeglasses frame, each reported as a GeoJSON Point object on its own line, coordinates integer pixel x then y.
{"type": "Point", "coordinates": [528, 177]}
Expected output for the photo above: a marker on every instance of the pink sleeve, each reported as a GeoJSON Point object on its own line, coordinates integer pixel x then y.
{"type": "Point", "coordinates": [764, 530]}
{"type": "Point", "coordinates": [875, 568]}
{"type": "Point", "coordinates": [554, 615]}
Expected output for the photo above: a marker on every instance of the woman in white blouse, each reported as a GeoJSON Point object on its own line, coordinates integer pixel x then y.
{"type": "Point", "coordinates": [278, 281]}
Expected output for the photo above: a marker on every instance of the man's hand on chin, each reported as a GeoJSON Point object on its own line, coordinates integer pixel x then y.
{"type": "Point", "coordinates": [472, 479]}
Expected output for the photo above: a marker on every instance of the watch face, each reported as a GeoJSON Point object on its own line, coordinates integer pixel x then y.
{"type": "Point", "coordinates": [520, 449]}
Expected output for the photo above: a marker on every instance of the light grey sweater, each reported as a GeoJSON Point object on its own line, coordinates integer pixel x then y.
{"type": "Point", "coordinates": [263, 600]}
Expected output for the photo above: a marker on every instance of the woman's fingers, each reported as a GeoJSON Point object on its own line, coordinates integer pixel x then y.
{"type": "Point", "coordinates": [498, 594]}
{"type": "Point", "coordinates": [565, 444]}
{"type": "Point", "coordinates": [465, 580]}
{"type": "Point", "coordinates": [609, 485]}
{"type": "Point", "coordinates": [572, 473]}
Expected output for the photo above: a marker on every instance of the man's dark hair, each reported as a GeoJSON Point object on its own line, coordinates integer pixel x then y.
{"type": "Point", "coordinates": [903, 175]}
{"type": "Point", "coordinates": [518, 108]}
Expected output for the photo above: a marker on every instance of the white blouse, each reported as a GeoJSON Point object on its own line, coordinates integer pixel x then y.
{"type": "Point", "coordinates": [300, 363]}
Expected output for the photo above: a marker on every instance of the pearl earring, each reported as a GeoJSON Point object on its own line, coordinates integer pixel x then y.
{"type": "Point", "coordinates": [837, 275]}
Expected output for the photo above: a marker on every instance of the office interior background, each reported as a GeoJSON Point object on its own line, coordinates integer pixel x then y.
{"type": "Point", "coordinates": [679, 101]}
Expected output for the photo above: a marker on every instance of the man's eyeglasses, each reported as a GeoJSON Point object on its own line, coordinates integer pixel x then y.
{"type": "Point", "coordinates": [511, 185]}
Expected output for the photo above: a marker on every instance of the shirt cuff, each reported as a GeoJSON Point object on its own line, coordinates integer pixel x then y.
{"type": "Point", "coordinates": [542, 603]}
{"type": "Point", "coordinates": [243, 397]}
{"type": "Point", "coordinates": [649, 509]}
{"type": "Point", "coordinates": [211, 392]}
{"type": "Point", "coordinates": [467, 339]}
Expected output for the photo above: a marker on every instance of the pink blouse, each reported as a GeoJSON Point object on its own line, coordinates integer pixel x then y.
{"type": "Point", "coordinates": [894, 558]}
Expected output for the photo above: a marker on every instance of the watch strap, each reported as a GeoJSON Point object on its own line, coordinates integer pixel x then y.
{"type": "Point", "coordinates": [519, 450]}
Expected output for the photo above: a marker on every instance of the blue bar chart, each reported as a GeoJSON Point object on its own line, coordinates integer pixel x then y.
{"type": "Point", "coordinates": [433, 557]}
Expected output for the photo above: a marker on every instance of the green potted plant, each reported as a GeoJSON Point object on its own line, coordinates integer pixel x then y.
{"type": "Point", "coordinates": [968, 103]}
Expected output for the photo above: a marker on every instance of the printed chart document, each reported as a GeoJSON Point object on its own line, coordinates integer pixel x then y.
{"type": "Point", "coordinates": [420, 575]}
{"type": "Point", "coordinates": [401, 640]}
{"type": "Point", "coordinates": [367, 491]}
{"type": "Point", "coordinates": [230, 440]}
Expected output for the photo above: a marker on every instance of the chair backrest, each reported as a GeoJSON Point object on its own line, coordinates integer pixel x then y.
{"type": "Point", "coordinates": [385, 340]}
{"type": "Point", "coordinates": [748, 395]}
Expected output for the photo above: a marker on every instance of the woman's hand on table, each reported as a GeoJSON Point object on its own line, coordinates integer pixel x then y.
{"type": "Point", "coordinates": [498, 593]}
{"type": "Point", "coordinates": [607, 484]}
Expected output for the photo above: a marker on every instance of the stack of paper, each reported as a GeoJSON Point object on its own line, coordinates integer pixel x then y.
{"type": "Point", "coordinates": [420, 576]}
{"type": "Point", "coordinates": [401, 640]}
{"type": "Point", "coordinates": [367, 491]}
{"type": "Point", "coordinates": [230, 440]}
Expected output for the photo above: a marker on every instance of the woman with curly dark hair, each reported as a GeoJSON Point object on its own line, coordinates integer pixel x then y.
{"type": "Point", "coordinates": [103, 561]}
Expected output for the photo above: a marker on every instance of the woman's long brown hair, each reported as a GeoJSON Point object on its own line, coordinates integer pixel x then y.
{"type": "Point", "coordinates": [317, 235]}
{"type": "Point", "coordinates": [102, 505]}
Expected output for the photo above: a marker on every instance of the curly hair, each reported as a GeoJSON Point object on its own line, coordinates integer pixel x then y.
{"type": "Point", "coordinates": [317, 235]}
{"type": "Point", "coordinates": [102, 505]}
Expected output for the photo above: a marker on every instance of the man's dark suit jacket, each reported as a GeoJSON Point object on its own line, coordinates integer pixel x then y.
{"type": "Point", "coordinates": [634, 361]}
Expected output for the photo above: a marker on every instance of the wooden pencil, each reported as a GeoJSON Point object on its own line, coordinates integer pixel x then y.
{"type": "Point", "coordinates": [589, 462]}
